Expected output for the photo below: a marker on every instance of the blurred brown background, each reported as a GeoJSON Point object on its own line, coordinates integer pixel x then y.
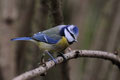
{"type": "Point", "coordinates": [99, 26]}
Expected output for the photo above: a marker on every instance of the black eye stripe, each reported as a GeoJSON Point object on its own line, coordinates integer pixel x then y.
{"type": "Point", "coordinates": [70, 33]}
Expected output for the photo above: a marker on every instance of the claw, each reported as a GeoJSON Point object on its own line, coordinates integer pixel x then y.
{"type": "Point", "coordinates": [42, 61]}
{"type": "Point", "coordinates": [49, 59]}
{"type": "Point", "coordinates": [43, 64]}
{"type": "Point", "coordinates": [61, 54]}
{"type": "Point", "coordinates": [55, 61]}
{"type": "Point", "coordinates": [44, 74]}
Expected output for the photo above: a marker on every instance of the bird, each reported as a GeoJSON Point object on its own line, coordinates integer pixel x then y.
{"type": "Point", "coordinates": [54, 40]}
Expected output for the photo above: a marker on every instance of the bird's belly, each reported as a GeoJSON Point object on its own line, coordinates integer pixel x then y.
{"type": "Point", "coordinates": [44, 46]}
{"type": "Point", "coordinates": [53, 48]}
{"type": "Point", "coordinates": [62, 44]}
{"type": "Point", "coordinates": [60, 48]}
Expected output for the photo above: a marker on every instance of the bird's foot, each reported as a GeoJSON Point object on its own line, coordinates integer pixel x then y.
{"type": "Point", "coordinates": [44, 74]}
{"type": "Point", "coordinates": [61, 54]}
{"type": "Point", "coordinates": [52, 58]}
{"type": "Point", "coordinates": [43, 64]}
{"type": "Point", "coordinates": [42, 61]}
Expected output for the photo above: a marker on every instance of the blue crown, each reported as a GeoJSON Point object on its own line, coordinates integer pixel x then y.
{"type": "Point", "coordinates": [76, 30]}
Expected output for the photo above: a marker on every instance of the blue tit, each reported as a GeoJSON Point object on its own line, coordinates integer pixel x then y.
{"type": "Point", "coordinates": [54, 40]}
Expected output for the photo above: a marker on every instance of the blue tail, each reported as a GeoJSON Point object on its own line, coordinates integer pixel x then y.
{"type": "Point", "coordinates": [21, 38]}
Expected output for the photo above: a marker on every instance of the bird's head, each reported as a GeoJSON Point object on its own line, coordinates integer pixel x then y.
{"type": "Point", "coordinates": [70, 32]}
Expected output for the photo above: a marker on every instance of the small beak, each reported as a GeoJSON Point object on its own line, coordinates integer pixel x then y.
{"type": "Point", "coordinates": [76, 40]}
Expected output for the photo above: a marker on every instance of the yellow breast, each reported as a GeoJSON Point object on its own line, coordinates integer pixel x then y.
{"type": "Point", "coordinates": [63, 43]}
{"type": "Point", "coordinates": [60, 46]}
{"type": "Point", "coordinates": [54, 48]}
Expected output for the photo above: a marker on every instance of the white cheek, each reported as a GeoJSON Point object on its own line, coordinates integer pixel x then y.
{"type": "Point", "coordinates": [70, 28]}
{"type": "Point", "coordinates": [68, 36]}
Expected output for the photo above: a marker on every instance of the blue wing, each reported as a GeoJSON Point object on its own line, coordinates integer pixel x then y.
{"type": "Point", "coordinates": [51, 36]}
{"type": "Point", "coordinates": [44, 38]}
{"type": "Point", "coordinates": [54, 32]}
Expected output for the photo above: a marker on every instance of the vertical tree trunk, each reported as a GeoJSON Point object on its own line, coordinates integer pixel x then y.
{"type": "Point", "coordinates": [81, 7]}
{"type": "Point", "coordinates": [56, 10]}
{"type": "Point", "coordinates": [57, 13]}
{"type": "Point", "coordinates": [39, 23]}
{"type": "Point", "coordinates": [57, 17]}
{"type": "Point", "coordinates": [112, 41]}
{"type": "Point", "coordinates": [26, 11]}
{"type": "Point", "coordinates": [8, 19]}
{"type": "Point", "coordinates": [100, 41]}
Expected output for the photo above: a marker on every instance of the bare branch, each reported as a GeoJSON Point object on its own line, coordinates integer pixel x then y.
{"type": "Point", "coordinates": [71, 55]}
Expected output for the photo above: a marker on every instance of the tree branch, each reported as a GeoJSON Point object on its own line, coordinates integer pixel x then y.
{"type": "Point", "coordinates": [71, 55]}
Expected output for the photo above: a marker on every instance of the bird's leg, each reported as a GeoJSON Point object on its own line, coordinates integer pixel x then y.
{"type": "Point", "coordinates": [61, 54]}
{"type": "Point", "coordinates": [51, 57]}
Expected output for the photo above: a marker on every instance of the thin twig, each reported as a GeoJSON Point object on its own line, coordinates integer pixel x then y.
{"type": "Point", "coordinates": [71, 55]}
